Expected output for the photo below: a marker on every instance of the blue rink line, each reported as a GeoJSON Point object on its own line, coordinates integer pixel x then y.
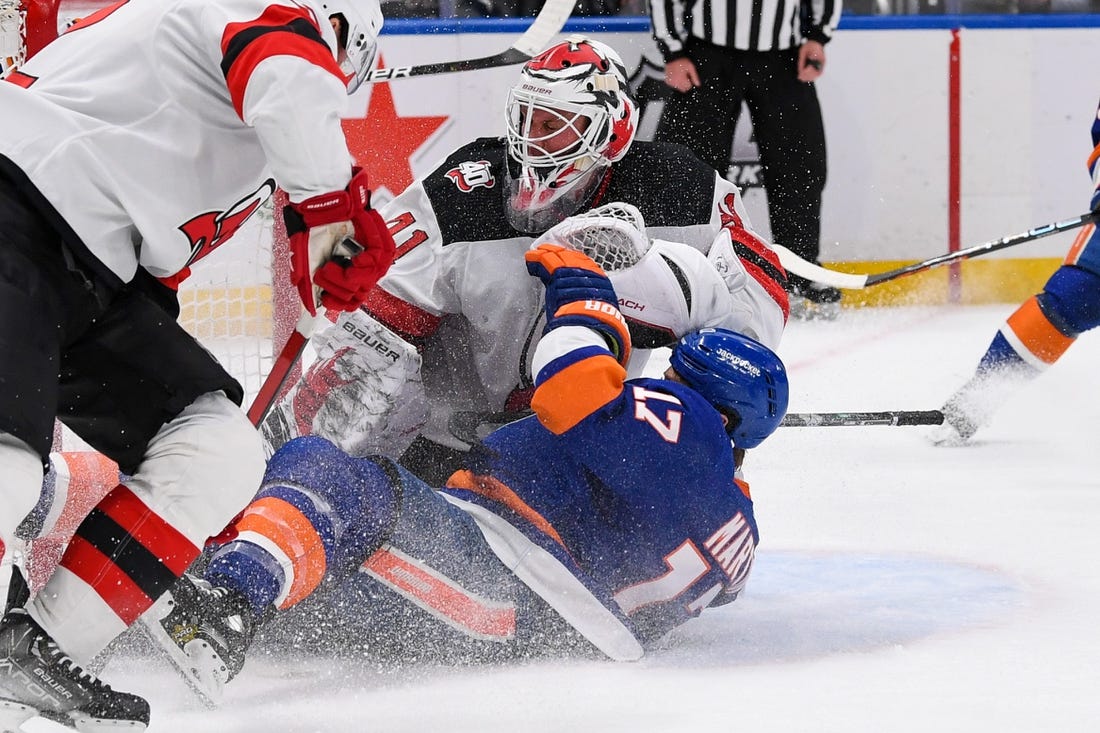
{"type": "Point", "coordinates": [817, 604]}
{"type": "Point", "coordinates": [640, 24]}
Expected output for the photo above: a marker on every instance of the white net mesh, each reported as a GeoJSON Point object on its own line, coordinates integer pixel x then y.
{"type": "Point", "coordinates": [229, 303]}
{"type": "Point", "coordinates": [12, 34]}
{"type": "Point", "coordinates": [613, 235]}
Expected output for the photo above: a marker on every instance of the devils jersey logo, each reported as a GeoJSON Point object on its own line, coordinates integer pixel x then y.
{"type": "Point", "coordinates": [471, 174]}
{"type": "Point", "coordinates": [208, 231]}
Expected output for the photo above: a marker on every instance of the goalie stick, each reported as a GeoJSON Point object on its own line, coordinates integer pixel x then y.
{"type": "Point", "coordinates": [546, 25]}
{"type": "Point", "coordinates": [798, 266]}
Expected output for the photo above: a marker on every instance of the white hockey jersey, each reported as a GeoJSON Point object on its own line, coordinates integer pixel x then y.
{"type": "Point", "coordinates": [156, 128]}
{"type": "Point", "coordinates": [460, 289]}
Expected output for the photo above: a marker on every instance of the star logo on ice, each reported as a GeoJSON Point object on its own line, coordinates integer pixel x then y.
{"type": "Point", "coordinates": [383, 141]}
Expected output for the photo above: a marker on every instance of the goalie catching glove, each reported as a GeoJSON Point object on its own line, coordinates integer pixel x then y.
{"type": "Point", "coordinates": [578, 293]}
{"type": "Point", "coordinates": [318, 227]}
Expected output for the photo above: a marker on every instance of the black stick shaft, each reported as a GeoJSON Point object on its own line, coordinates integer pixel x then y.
{"type": "Point", "coordinates": [860, 419]}
{"type": "Point", "coordinates": [980, 249]}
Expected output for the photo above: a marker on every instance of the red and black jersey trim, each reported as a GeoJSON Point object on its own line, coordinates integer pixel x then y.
{"type": "Point", "coordinates": [128, 553]}
{"type": "Point", "coordinates": [763, 265]}
{"type": "Point", "coordinates": [280, 31]}
{"type": "Point", "coordinates": [407, 320]}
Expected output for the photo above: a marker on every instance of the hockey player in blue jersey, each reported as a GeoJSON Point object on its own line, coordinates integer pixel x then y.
{"type": "Point", "coordinates": [604, 520]}
{"type": "Point", "coordinates": [1038, 332]}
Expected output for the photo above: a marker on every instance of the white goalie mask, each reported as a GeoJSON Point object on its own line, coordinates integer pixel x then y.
{"type": "Point", "coordinates": [361, 22]}
{"type": "Point", "coordinates": [569, 118]}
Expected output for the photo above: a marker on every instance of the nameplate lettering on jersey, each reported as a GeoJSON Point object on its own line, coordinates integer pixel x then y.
{"type": "Point", "coordinates": [733, 549]}
{"type": "Point", "coordinates": [371, 341]}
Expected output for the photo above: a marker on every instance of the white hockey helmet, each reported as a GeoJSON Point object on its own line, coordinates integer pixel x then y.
{"type": "Point", "coordinates": [360, 24]}
{"type": "Point", "coordinates": [581, 85]}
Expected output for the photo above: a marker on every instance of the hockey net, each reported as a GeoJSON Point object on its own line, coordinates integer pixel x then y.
{"type": "Point", "coordinates": [238, 301]}
{"type": "Point", "coordinates": [613, 235]}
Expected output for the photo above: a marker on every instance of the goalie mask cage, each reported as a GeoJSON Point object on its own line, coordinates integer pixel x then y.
{"type": "Point", "coordinates": [238, 301]}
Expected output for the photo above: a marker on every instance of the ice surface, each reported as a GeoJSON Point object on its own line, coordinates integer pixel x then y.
{"type": "Point", "coordinates": [899, 586]}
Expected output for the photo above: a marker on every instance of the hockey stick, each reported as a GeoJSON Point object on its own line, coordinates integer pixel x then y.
{"type": "Point", "coordinates": [546, 25]}
{"type": "Point", "coordinates": [795, 264]}
{"type": "Point", "coordinates": [282, 368]}
{"type": "Point", "coordinates": [861, 419]}
{"type": "Point", "coordinates": [464, 425]}
{"type": "Point", "coordinates": [292, 350]}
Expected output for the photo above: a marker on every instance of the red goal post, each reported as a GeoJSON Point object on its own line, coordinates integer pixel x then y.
{"type": "Point", "coordinates": [238, 300]}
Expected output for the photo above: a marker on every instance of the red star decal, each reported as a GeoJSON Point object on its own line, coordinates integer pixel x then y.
{"type": "Point", "coordinates": [382, 142]}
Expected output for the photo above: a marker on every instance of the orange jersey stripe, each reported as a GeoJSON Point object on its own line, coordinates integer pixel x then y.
{"type": "Point", "coordinates": [577, 391]}
{"type": "Point", "coordinates": [496, 490]}
{"type": "Point", "coordinates": [1037, 333]}
{"type": "Point", "coordinates": [1079, 243]}
{"type": "Point", "coordinates": [441, 596]}
{"type": "Point", "coordinates": [290, 531]}
{"type": "Point", "coordinates": [1093, 157]}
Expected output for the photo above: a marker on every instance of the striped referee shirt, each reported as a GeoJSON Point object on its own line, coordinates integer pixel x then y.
{"type": "Point", "coordinates": [747, 25]}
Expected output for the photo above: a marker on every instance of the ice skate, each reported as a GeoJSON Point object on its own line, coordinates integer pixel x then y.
{"type": "Point", "coordinates": [811, 301]}
{"type": "Point", "coordinates": [972, 406]}
{"type": "Point", "coordinates": [38, 679]}
{"type": "Point", "coordinates": [204, 631]}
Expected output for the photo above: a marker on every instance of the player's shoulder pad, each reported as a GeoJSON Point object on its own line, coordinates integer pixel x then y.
{"type": "Point", "coordinates": [466, 193]}
{"type": "Point", "coordinates": [667, 182]}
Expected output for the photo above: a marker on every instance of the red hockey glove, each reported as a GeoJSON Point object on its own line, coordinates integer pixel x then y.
{"type": "Point", "coordinates": [317, 227]}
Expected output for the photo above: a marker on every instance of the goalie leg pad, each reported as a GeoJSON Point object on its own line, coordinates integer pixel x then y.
{"type": "Point", "coordinates": [364, 392]}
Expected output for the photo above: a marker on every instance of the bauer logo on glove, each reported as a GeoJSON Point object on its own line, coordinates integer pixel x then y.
{"type": "Point", "coordinates": [339, 246]}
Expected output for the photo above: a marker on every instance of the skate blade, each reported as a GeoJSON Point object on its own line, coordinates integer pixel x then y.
{"type": "Point", "coordinates": [946, 436]}
{"type": "Point", "coordinates": [197, 663]}
{"type": "Point", "coordinates": [87, 724]}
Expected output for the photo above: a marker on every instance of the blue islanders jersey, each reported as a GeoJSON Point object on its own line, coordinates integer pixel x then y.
{"type": "Point", "coordinates": [616, 502]}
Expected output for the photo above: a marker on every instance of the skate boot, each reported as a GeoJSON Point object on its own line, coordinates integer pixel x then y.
{"type": "Point", "coordinates": [38, 679]}
{"type": "Point", "coordinates": [973, 405]}
{"type": "Point", "coordinates": [204, 631]}
{"type": "Point", "coordinates": [959, 422]}
{"type": "Point", "coordinates": [812, 301]}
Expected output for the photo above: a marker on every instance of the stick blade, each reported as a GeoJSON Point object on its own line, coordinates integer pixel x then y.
{"type": "Point", "coordinates": [794, 264]}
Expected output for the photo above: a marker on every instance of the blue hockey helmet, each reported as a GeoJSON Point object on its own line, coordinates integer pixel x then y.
{"type": "Point", "coordinates": [741, 377]}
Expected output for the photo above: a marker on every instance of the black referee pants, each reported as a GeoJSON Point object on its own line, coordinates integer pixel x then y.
{"type": "Point", "coordinates": [786, 120]}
